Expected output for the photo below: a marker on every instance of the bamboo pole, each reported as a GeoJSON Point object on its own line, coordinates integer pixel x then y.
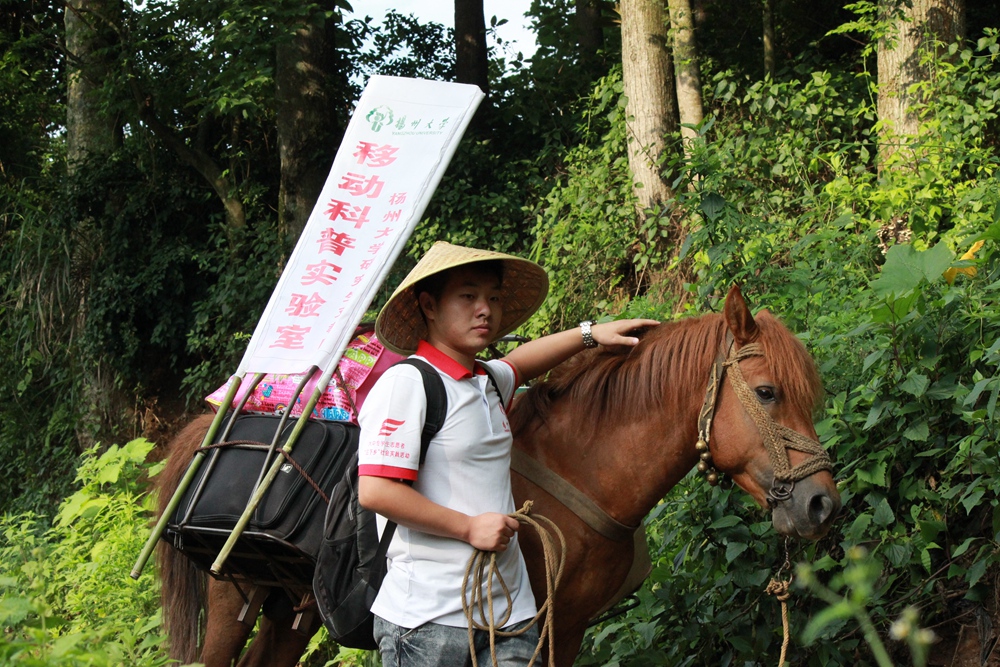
{"type": "Point", "coordinates": [265, 483]}
{"type": "Point", "coordinates": [281, 424]}
{"type": "Point", "coordinates": [175, 500]}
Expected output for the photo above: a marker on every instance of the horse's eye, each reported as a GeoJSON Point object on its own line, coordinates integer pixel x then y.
{"type": "Point", "coordinates": [765, 394]}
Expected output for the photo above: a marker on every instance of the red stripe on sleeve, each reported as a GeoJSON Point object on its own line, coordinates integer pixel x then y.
{"type": "Point", "coordinates": [391, 472]}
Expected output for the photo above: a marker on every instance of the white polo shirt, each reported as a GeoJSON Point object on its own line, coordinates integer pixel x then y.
{"type": "Point", "coordinates": [467, 469]}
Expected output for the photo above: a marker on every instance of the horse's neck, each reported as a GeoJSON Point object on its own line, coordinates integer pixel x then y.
{"type": "Point", "coordinates": [626, 468]}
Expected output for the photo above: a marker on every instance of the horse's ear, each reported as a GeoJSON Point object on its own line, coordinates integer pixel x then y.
{"type": "Point", "coordinates": [738, 317]}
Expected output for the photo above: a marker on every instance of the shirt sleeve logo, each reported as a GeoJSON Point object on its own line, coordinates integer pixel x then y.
{"type": "Point", "coordinates": [389, 426]}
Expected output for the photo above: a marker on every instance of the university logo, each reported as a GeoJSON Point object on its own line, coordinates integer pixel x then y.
{"type": "Point", "coordinates": [379, 117]}
{"type": "Point", "coordinates": [389, 426]}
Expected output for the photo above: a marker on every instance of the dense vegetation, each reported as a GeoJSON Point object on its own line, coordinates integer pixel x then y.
{"type": "Point", "coordinates": [782, 193]}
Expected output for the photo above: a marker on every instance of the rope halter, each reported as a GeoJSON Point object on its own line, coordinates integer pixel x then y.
{"type": "Point", "coordinates": [778, 439]}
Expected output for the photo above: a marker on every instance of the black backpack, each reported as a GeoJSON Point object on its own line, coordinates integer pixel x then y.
{"type": "Point", "coordinates": [351, 563]}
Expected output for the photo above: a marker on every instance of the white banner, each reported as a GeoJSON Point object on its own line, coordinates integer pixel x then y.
{"type": "Point", "coordinates": [396, 148]}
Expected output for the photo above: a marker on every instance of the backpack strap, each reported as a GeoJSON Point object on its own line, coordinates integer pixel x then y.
{"type": "Point", "coordinates": [496, 387]}
{"type": "Point", "coordinates": [437, 402]}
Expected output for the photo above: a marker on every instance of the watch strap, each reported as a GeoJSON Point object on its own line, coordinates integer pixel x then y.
{"type": "Point", "coordinates": [588, 336]}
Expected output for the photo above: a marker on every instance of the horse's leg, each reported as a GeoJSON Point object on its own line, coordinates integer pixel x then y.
{"type": "Point", "coordinates": [595, 569]}
{"type": "Point", "coordinates": [277, 644]}
{"type": "Point", "coordinates": [225, 635]}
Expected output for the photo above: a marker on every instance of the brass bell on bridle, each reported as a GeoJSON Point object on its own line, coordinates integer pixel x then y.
{"type": "Point", "coordinates": [705, 462]}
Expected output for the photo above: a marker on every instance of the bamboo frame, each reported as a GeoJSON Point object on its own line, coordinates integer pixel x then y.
{"type": "Point", "coordinates": [185, 482]}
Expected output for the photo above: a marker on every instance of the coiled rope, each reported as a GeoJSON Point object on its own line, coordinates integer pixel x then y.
{"type": "Point", "coordinates": [482, 569]}
{"type": "Point", "coordinates": [779, 589]}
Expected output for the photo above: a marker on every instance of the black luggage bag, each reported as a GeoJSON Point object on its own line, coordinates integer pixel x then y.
{"type": "Point", "coordinates": [279, 545]}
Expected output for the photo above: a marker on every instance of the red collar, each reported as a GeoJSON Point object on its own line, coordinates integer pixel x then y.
{"type": "Point", "coordinates": [444, 363]}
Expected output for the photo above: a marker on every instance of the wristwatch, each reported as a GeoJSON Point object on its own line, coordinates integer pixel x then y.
{"type": "Point", "coordinates": [588, 338]}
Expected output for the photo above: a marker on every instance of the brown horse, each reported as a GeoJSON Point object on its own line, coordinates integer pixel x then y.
{"type": "Point", "coordinates": [621, 425]}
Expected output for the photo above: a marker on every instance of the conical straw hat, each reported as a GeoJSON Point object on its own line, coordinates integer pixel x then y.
{"type": "Point", "coordinates": [400, 325]}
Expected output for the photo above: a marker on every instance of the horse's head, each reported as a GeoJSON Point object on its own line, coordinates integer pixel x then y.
{"type": "Point", "coordinates": [761, 433]}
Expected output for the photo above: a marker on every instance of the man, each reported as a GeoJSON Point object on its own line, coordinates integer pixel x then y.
{"type": "Point", "coordinates": [453, 304]}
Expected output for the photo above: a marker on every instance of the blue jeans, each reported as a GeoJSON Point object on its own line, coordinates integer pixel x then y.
{"type": "Point", "coordinates": [433, 645]}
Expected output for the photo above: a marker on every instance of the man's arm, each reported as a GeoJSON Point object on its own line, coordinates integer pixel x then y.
{"type": "Point", "coordinates": [401, 503]}
{"type": "Point", "coordinates": [538, 356]}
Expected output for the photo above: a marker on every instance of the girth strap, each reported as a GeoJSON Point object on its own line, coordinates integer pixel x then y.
{"type": "Point", "coordinates": [590, 512]}
{"type": "Point", "coordinates": [571, 497]}
{"type": "Point", "coordinates": [642, 565]}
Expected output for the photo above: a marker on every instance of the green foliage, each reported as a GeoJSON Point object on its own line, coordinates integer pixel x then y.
{"type": "Point", "coordinates": [782, 194]}
{"type": "Point", "coordinates": [100, 283]}
{"type": "Point", "coordinates": [859, 580]}
{"type": "Point", "coordinates": [216, 58]}
{"type": "Point", "coordinates": [136, 255]}
{"type": "Point", "coordinates": [704, 602]}
{"type": "Point", "coordinates": [403, 46]}
{"type": "Point", "coordinates": [585, 224]}
{"type": "Point", "coordinates": [31, 104]}
{"type": "Point", "coordinates": [241, 268]}
{"type": "Point", "coordinates": [36, 420]}
{"type": "Point", "coordinates": [65, 597]}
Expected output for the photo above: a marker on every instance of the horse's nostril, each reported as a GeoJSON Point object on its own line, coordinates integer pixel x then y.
{"type": "Point", "coordinates": [821, 508]}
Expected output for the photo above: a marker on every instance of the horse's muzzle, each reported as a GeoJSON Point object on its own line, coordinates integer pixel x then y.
{"type": "Point", "coordinates": [805, 510]}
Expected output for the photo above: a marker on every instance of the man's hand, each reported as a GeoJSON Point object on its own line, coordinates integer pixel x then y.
{"type": "Point", "coordinates": [613, 333]}
{"type": "Point", "coordinates": [543, 354]}
{"type": "Point", "coordinates": [492, 531]}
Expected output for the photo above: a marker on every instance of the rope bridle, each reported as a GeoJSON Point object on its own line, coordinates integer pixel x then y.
{"type": "Point", "coordinates": [778, 439]}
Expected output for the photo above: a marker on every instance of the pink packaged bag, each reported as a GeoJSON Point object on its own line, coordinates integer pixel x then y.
{"type": "Point", "coordinates": [364, 360]}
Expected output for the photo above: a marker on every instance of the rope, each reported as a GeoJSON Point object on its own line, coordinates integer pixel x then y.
{"type": "Point", "coordinates": [485, 563]}
{"type": "Point", "coordinates": [346, 390]}
{"type": "Point", "coordinates": [779, 589]}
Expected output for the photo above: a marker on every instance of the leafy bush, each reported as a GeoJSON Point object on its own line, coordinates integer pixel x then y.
{"type": "Point", "coordinates": [65, 596]}
{"type": "Point", "coordinates": [241, 268]}
{"type": "Point", "coordinates": [585, 224]}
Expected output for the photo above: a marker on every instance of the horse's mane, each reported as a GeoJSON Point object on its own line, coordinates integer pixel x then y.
{"type": "Point", "coordinates": [670, 362]}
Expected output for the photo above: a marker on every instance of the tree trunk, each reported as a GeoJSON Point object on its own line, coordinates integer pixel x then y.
{"type": "Point", "coordinates": [648, 77]}
{"type": "Point", "coordinates": [88, 32]}
{"type": "Point", "coordinates": [89, 135]}
{"type": "Point", "coordinates": [306, 122]}
{"type": "Point", "coordinates": [689, 104]}
{"type": "Point", "coordinates": [471, 64]}
{"type": "Point", "coordinates": [769, 38]}
{"type": "Point", "coordinates": [915, 29]}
